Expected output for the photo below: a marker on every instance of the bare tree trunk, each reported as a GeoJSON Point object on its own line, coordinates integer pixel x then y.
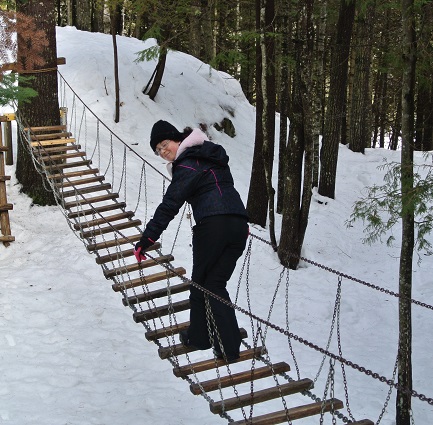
{"type": "Point", "coordinates": [116, 74]}
{"type": "Point", "coordinates": [403, 401]}
{"type": "Point", "coordinates": [160, 68]}
{"type": "Point", "coordinates": [318, 89]}
{"type": "Point", "coordinates": [336, 101]}
{"type": "Point", "coordinates": [83, 15]}
{"type": "Point", "coordinates": [268, 116]}
{"type": "Point", "coordinates": [424, 115]}
{"type": "Point", "coordinates": [257, 203]}
{"type": "Point", "coordinates": [300, 150]}
{"type": "Point", "coordinates": [195, 28]}
{"type": "Point", "coordinates": [396, 127]}
{"type": "Point", "coordinates": [360, 110]}
{"type": "Point", "coordinates": [284, 98]}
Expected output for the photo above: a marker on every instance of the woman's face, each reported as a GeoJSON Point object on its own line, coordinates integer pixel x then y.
{"type": "Point", "coordinates": [167, 149]}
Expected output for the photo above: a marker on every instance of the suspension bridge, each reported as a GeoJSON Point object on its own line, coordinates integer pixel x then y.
{"type": "Point", "coordinates": [91, 184]}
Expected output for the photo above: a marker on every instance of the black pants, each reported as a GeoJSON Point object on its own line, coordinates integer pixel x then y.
{"type": "Point", "coordinates": [218, 242]}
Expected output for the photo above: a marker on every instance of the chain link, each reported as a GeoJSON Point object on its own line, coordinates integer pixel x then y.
{"type": "Point", "coordinates": [331, 270]}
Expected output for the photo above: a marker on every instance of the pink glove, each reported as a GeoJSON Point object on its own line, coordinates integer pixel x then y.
{"type": "Point", "coordinates": [138, 255]}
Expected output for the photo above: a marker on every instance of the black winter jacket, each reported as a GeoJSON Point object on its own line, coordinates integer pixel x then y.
{"type": "Point", "coordinates": [201, 177]}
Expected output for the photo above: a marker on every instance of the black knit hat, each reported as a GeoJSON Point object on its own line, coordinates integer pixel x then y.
{"type": "Point", "coordinates": [163, 130]}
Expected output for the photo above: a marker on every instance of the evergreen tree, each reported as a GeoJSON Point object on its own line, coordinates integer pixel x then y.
{"type": "Point", "coordinates": [37, 41]}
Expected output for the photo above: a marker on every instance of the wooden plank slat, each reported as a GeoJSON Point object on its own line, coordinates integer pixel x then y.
{"type": "Point", "coordinates": [52, 142]}
{"type": "Point", "coordinates": [103, 220]}
{"type": "Point", "coordinates": [260, 396]}
{"type": "Point", "coordinates": [138, 266]}
{"type": "Point", "coordinates": [4, 178]}
{"type": "Point", "coordinates": [96, 210]}
{"type": "Point", "coordinates": [163, 310]}
{"type": "Point", "coordinates": [79, 202]}
{"type": "Point", "coordinates": [47, 136]}
{"type": "Point", "coordinates": [116, 256]}
{"type": "Point", "coordinates": [179, 349]}
{"type": "Point", "coordinates": [60, 157]}
{"type": "Point", "coordinates": [158, 293]}
{"type": "Point", "coordinates": [79, 182]}
{"type": "Point", "coordinates": [182, 371]}
{"type": "Point", "coordinates": [293, 413]}
{"type": "Point", "coordinates": [46, 128]}
{"type": "Point", "coordinates": [7, 238]}
{"type": "Point", "coordinates": [6, 207]}
{"type": "Point", "coordinates": [4, 148]}
{"type": "Point", "coordinates": [362, 422]}
{"type": "Point", "coordinates": [78, 173]}
{"type": "Point", "coordinates": [63, 165]}
{"type": "Point", "coordinates": [148, 279]}
{"type": "Point", "coordinates": [44, 150]}
{"type": "Point", "coordinates": [239, 378]}
{"type": "Point", "coordinates": [166, 331]}
{"type": "Point", "coordinates": [113, 242]}
{"type": "Point", "coordinates": [88, 189]}
{"type": "Point", "coordinates": [110, 229]}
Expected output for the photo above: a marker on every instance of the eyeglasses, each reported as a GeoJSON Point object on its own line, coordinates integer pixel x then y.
{"type": "Point", "coordinates": [163, 146]}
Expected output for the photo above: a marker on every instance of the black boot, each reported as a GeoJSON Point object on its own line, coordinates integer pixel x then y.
{"type": "Point", "coordinates": [229, 358]}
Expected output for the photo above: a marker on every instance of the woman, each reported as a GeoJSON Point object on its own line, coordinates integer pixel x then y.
{"type": "Point", "coordinates": [201, 176]}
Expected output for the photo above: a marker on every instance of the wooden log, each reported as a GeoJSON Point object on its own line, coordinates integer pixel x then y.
{"type": "Point", "coordinates": [43, 151]}
{"type": "Point", "coordinates": [46, 128]}
{"type": "Point", "coordinates": [52, 142]}
{"type": "Point", "coordinates": [239, 378]}
{"type": "Point", "coordinates": [138, 266]}
{"type": "Point", "coordinates": [143, 280]}
{"type": "Point", "coordinates": [110, 229]}
{"type": "Point", "coordinates": [80, 182]}
{"type": "Point", "coordinates": [77, 203]}
{"type": "Point", "coordinates": [113, 242]}
{"type": "Point", "coordinates": [13, 66]}
{"type": "Point", "coordinates": [6, 207]}
{"type": "Point", "coordinates": [47, 136]}
{"type": "Point", "coordinates": [6, 238]}
{"type": "Point", "coordinates": [293, 413]}
{"type": "Point", "coordinates": [179, 349]}
{"type": "Point", "coordinates": [116, 256]}
{"type": "Point", "coordinates": [88, 189]}
{"type": "Point", "coordinates": [103, 220]}
{"type": "Point", "coordinates": [158, 293]}
{"type": "Point", "coordinates": [9, 159]}
{"type": "Point", "coordinates": [47, 157]}
{"type": "Point", "coordinates": [63, 165]}
{"type": "Point", "coordinates": [189, 369]}
{"type": "Point", "coordinates": [260, 396]}
{"type": "Point", "coordinates": [96, 210]}
{"type": "Point", "coordinates": [166, 331]}
{"type": "Point", "coordinates": [163, 310]}
{"type": "Point", "coordinates": [78, 173]}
